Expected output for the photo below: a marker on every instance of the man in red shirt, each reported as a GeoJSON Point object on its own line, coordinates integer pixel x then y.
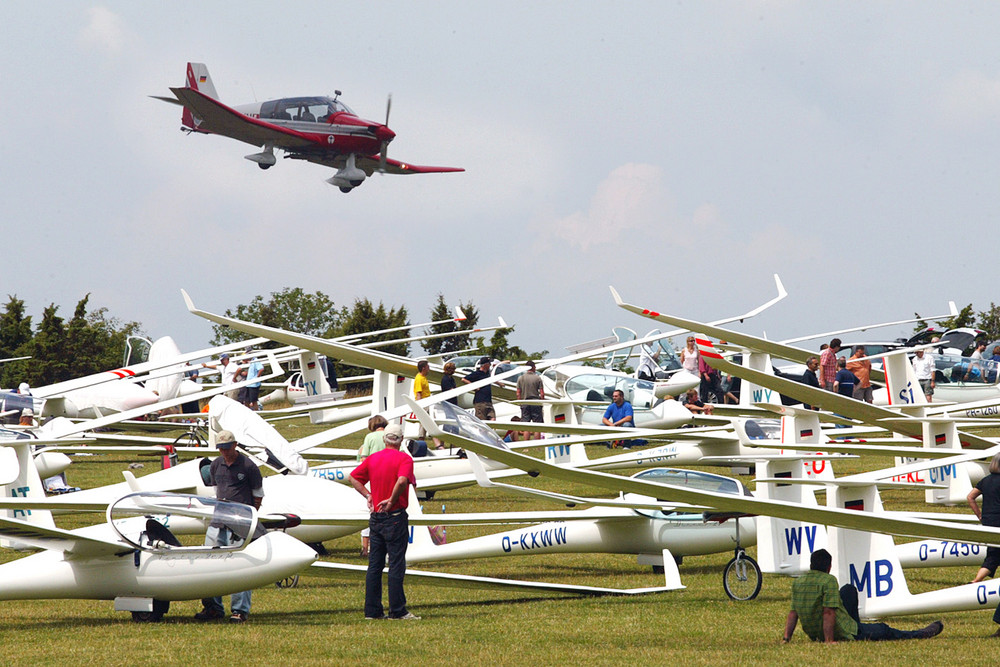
{"type": "Point", "coordinates": [388, 473]}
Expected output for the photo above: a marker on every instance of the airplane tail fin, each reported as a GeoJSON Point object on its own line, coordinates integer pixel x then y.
{"type": "Point", "coordinates": [784, 546]}
{"type": "Point", "coordinates": [901, 383]}
{"type": "Point", "coordinates": [571, 456]}
{"type": "Point", "coordinates": [21, 480]}
{"type": "Point", "coordinates": [197, 78]}
{"type": "Point", "coordinates": [751, 393]}
{"type": "Point", "coordinates": [867, 560]}
{"type": "Point", "coordinates": [944, 435]}
{"type": "Point", "coordinates": [422, 538]}
{"type": "Point", "coordinates": [313, 376]}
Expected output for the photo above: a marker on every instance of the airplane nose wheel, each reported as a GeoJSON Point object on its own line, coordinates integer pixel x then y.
{"type": "Point", "coordinates": [742, 578]}
{"type": "Point", "coordinates": [288, 582]}
{"type": "Point", "coordinates": [160, 607]}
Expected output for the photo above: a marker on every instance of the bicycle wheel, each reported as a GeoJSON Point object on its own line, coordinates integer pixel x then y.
{"type": "Point", "coordinates": [742, 579]}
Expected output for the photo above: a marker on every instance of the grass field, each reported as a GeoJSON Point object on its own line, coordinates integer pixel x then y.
{"type": "Point", "coordinates": [320, 621]}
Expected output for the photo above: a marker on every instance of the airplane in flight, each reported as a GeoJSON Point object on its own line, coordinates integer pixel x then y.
{"type": "Point", "coordinates": [319, 129]}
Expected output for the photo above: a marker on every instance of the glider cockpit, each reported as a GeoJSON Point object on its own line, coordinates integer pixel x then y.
{"type": "Point", "coordinates": [144, 521]}
{"type": "Point", "coordinates": [691, 479]}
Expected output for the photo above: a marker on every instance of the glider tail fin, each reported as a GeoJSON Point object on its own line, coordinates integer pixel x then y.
{"type": "Point", "coordinates": [867, 560]}
{"type": "Point", "coordinates": [17, 466]}
{"type": "Point", "coordinates": [423, 539]}
{"type": "Point", "coordinates": [784, 546]}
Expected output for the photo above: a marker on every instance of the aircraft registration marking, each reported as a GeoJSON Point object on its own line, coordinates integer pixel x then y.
{"type": "Point", "coordinates": [535, 539]}
{"type": "Point", "coordinates": [955, 550]}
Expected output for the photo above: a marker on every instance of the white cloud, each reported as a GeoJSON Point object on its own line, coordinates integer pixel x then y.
{"type": "Point", "coordinates": [631, 199]}
{"type": "Point", "coordinates": [105, 31]}
{"type": "Point", "coordinates": [971, 97]}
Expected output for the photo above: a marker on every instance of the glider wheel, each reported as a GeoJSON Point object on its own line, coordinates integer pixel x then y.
{"type": "Point", "coordinates": [742, 578]}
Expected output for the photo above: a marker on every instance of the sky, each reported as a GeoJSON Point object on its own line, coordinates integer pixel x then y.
{"type": "Point", "coordinates": [683, 152]}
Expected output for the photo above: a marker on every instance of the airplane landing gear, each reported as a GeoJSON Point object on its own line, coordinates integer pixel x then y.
{"type": "Point", "coordinates": [345, 189]}
{"type": "Point", "coordinates": [263, 166]}
{"type": "Point", "coordinates": [742, 578]}
{"type": "Point", "coordinates": [160, 607]}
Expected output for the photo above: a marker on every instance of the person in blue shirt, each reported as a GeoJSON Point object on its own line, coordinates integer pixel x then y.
{"type": "Point", "coordinates": [619, 413]}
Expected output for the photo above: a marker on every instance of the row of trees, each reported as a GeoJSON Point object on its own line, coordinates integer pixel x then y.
{"type": "Point", "coordinates": [90, 342]}
{"type": "Point", "coordinates": [988, 321]}
{"type": "Point", "coordinates": [317, 315]}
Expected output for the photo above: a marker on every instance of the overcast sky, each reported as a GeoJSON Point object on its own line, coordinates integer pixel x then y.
{"type": "Point", "coordinates": [683, 152]}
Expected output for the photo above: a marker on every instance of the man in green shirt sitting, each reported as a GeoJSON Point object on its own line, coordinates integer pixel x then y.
{"type": "Point", "coordinates": [831, 615]}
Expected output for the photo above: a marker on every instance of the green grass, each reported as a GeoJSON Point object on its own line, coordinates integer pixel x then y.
{"type": "Point", "coordinates": [320, 621]}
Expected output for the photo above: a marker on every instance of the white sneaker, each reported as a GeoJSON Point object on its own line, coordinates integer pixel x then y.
{"type": "Point", "coordinates": [409, 616]}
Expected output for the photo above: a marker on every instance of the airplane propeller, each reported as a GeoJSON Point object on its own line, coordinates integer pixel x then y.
{"type": "Point", "coordinates": [385, 142]}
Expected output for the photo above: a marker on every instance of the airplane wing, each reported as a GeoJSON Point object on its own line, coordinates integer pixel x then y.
{"type": "Point", "coordinates": [371, 164]}
{"type": "Point", "coordinates": [477, 518]}
{"type": "Point", "coordinates": [357, 573]}
{"type": "Point", "coordinates": [218, 118]}
{"type": "Point", "coordinates": [62, 540]}
{"type": "Point", "coordinates": [842, 518]}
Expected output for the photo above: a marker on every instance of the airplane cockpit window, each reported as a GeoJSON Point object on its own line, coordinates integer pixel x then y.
{"type": "Point", "coordinates": [600, 387]}
{"type": "Point", "coordinates": [662, 352]}
{"type": "Point", "coordinates": [150, 521]}
{"type": "Point", "coordinates": [953, 368]}
{"type": "Point", "coordinates": [460, 422]}
{"type": "Point", "coordinates": [307, 109]}
{"type": "Point", "coordinates": [503, 368]}
{"type": "Point", "coordinates": [692, 479]}
{"type": "Point", "coordinates": [763, 429]}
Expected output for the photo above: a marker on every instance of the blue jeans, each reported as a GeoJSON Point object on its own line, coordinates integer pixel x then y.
{"type": "Point", "coordinates": [223, 537]}
{"type": "Point", "coordinates": [390, 534]}
{"type": "Point", "coordinates": [873, 632]}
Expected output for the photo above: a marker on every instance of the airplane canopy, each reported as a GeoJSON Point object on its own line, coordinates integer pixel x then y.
{"type": "Point", "coordinates": [692, 479]}
{"type": "Point", "coordinates": [145, 519]}
{"type": "Point", "coordinates": [315, 109]}
{"type": "Point", "coordinates": [454, 419]}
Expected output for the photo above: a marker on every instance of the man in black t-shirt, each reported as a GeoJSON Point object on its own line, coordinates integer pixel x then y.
{"type": "Point", "coordinates": [482, 400]}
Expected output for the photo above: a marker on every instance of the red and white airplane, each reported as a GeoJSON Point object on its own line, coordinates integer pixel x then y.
{"type": "Point", "coordinates": [319, 129]}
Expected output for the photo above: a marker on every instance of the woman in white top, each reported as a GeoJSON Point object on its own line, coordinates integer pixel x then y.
{"type": "Point", "coordinates": [689, 357]}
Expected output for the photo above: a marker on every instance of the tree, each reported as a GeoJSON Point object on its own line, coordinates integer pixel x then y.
{"type": "Point", "coordinates": [499, 348]}
{"type": "Point", "coordinates": [451, 344]}
{"type": "Point", "coordinates": [291, 308]}
{"type": "Point", "coordinates": [989, 322]}
{"type": "Point", "coordinates": [365, 317]}
{"type": "Point", "coordinates": [15, 328]}
{"type": "Point", "coordinates": [88, 344]}
{"type": "Point", "coordinates": [965, 318]}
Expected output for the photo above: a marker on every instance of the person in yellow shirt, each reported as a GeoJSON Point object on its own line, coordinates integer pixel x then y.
{"type": "Point", "coordinates": [422, 389]}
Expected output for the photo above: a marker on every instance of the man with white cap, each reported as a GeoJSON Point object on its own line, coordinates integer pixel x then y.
{"type": "Point", "coordinates": [388, 473]}
{"type": "Point", "coordinates": [236, 479]}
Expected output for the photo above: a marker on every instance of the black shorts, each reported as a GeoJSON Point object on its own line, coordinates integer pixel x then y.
{"type": "Point", "coordinates": [531, 413]}
{"type": "Point", "coordinates": [992, 560]}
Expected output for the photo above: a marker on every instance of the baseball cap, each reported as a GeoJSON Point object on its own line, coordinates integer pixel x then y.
{"type": "Point", "coordinates": [393, 432]}
{"type": "Point", "coordinates": [483, 360]}
{"type": "Point", "coordinates": [225, 439]}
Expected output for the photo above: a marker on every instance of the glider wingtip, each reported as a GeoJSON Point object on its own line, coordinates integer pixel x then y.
{"type": "Point", "coordinates": [617, 297]}
{"type": "Point", "coordinates": [187, 301]}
